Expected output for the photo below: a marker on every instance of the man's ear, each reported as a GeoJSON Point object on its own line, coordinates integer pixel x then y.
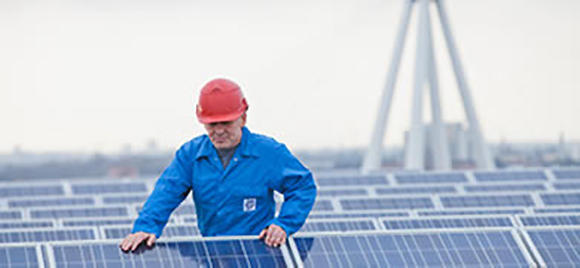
{"type": "Point", "coordinates": [243, 117]}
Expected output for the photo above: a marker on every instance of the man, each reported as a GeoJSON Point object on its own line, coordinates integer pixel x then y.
{"type": "Point", "coordinates": [232, 173]}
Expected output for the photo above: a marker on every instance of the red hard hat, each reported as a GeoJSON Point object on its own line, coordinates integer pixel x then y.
{"type": "Point", "coordinates": [220, 100]}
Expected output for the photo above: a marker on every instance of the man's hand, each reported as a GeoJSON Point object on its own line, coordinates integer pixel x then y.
{"type": "Point", "coordinates": [273, 235]}
{"type": "Point", "coordinates": [132, 241]}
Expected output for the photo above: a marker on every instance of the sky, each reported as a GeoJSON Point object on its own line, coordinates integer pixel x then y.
{"type": "Point", "coordinates": [95, 75]}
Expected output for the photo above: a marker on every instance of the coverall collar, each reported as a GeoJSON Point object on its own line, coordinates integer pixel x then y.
{"type": "Point", "coordinates": [244, 148]}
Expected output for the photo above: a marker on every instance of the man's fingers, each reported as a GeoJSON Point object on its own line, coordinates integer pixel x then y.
{"type": "Point", "coordinates": [262, 234]}
{"type": "Point", "coordinates": [151, 240]}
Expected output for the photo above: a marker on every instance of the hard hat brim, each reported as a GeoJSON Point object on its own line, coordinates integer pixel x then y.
{"type": "Point", "coordinates": [219, 118]}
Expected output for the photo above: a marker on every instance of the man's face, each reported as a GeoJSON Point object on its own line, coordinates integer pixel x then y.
{"type": "Point", "coordinates": [226, 135]}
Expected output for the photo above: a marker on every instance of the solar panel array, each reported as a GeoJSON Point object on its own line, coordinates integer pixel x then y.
{"type": "Point", "coordinates": [518, 218]}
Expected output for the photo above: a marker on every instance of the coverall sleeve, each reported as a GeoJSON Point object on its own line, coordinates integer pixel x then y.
{"type": "Point", "coordinates": [171, 188]}
{"type": "Point", "coordinates": [297, 185]}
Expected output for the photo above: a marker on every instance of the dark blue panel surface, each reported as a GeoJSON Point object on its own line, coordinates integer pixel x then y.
{"type": "Point", "coordinates": [567, 173]}
{"type": "Point", "coordinates": [124, 199]}
{"type": "Point", "coordinates": [357, 215]}
{"type": "Point", "coordinates": [567, 185]}
{"type": "Point", "coordinates": [416, 190]}
{"type": "Point", "coordinates": [516, 200]}
{"type": "Point", "coordinates": [447, 223]}
{"type": "Point", "coordinates": [25, 224]}
{"type": "Point", "coordinates": [505, 187]}
{"type": "Point", "coordinates": [450, 212]}
{"type": "Point", "coordinates": [98, 222]}
{"type": "Point", "coordinates": [188, 209]}
{"type": "Point", "coordinates": [386, 203]}
{"type": "Point", "coordinates": [79, 213]}
{"type": "Point", "coordinates": [19, 191]}
{"type": "Point", "coordinates": [46, 235]}
{"type": "Point", "coordinates": [10, 215]}
{"type": "Point", "coordinates": [442, 249]}
{"type": "Point", "coordinates": [501, 176]}
{"type": "Point", "coordinates": [342, 192]}
{"type": "Point", "coordinates": [228, 253]}
{"type": "Point", "coordinates": [538, 220]}
{"type": "Point", "coordinates": [19, 256]}
{"type": "Point", "coordinates": [352, 180]}
{"type": "Point", "coordinates": [336, 225]}
{"type": "Point", "coordinates": [322, 205]}
{"type": "Point", "coordinates": [454, 177]}
{"type": "Point", "coordinates": [100, 188]}
{"type": "Point", "coordinates": [558, 247]}
{"type": "Point", "coordinates": [557, 210]}
{"type": "Point", "coordinates": [561, 199]}
{"type": "Point", "coordinates": [84, 201]}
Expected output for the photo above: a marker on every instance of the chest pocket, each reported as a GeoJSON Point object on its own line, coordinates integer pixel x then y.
{"type": "Point", "coordinates": [249, 198]}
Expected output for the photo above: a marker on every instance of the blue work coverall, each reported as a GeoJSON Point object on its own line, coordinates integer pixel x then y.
{"type": "Point", "coordinates": [237, 200]}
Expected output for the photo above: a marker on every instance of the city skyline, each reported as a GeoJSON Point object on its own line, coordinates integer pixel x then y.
{"type": "Point", "coordinates": [96, 75]}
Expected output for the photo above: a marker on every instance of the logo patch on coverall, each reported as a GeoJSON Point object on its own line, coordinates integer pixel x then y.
{"type": "Point", "coordinates": [249, 204]}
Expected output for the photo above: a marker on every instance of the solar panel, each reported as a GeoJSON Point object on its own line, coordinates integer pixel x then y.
{"type": "Point", "coordinates": [78, 212]}
{"type": "Point", "coordinates": [566, 173]}
{"type": "Point", "coordinates": [10, 214]}
{"type": "Point", "coordinates": [100, 221]}
{"type": "Point", "coordinates": [451, 212]}
{"type": "Point", "coordinates": [386, 203]}
{"type": "Point", "coordinates": [549, 220]}
{"type": "Point", "coordinates": [124, 199]}
{"type": "Point", "coordinates": [362, 214]}
{"type": "Point", "coordinates": [189, 219]}
{"type": "Point", "coordinates": [448, 222]}
{"type": "Point", "coordinates": [342, 192]}
{"type": "Point", "coordinates": [46, 234]}
{"type": "Point", "coordinates": [416, 190]}
{"type": "Point", "coordinates": [101, 188]}
{"type": "Point", "coordinates": [182, 230]}
{"type": "Point", "coordinates": [18, 191]}
{"type": "Point", "coordinates": [485, 248]}
{"type": "Point", "coordinates": [73, 201]}
{"type": "Point", "coordinates": [554, 246]}
{"type": "Point", "coordinates": [24, 224]}
{"type": "Point", "coordinates": [453, 177]}
{"type": "Point", "coordinates": [338, 225]}
{"type": "Point", "coordinates": [323, 205]}
{"type": "Point", "coordinates": [215, 252]}
{"type": "Point", "coordinates": [530, 187]}
{"type": "Point", "coordinates": [561, 199]}
{"type": "Point", "coordinates": [355, 180]}
{"type": "Point", "coordinates": [557, 210]}
{"type": "Point", "coordinates": [501, 176]}
{"type": "Point", "coordinates": [21, 256]}
{"type": "Point", "coordinates": [513, 200]}
{"type": "Point", "coordinates": [567, 185]}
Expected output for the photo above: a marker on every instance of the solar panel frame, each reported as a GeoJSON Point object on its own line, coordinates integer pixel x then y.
{"type": "Point", "coordinates": [40, 189]}
{"type": "Point", "coordinates": [37, 250]}
{"type": "Point", "coordinates": [505, 187]}
{"type": "Point", "coordinates": [123, 199]}
{"type": "Point", "coordinates": [556, 209]}
{"type": "Point", "coordinates": [373, 222]}
{"type": "Point", "coordinates": [518, 240]}
{"type": "Point", "coordinates": [510, 219]}
{"type": "Point", "coordinates": [532, 246]}
{"type": "Point", "coordinates": [119, 187]}
{"type": "Point", "coordinates": [78, 222]}
{"type": "Point", "coordinates": [432, 189]}
{"type": "Point", "coordinates": [351, 180]}
{"type": "Point", "coordinates": [51, 245]}
{"type": "Point", "coordinates": [28, 231]}
{"type": "Point", "coordinates": [510, 175]}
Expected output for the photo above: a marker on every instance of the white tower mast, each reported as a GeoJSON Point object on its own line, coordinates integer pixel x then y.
{"type": "Point", "coordinates": [425, 74]}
